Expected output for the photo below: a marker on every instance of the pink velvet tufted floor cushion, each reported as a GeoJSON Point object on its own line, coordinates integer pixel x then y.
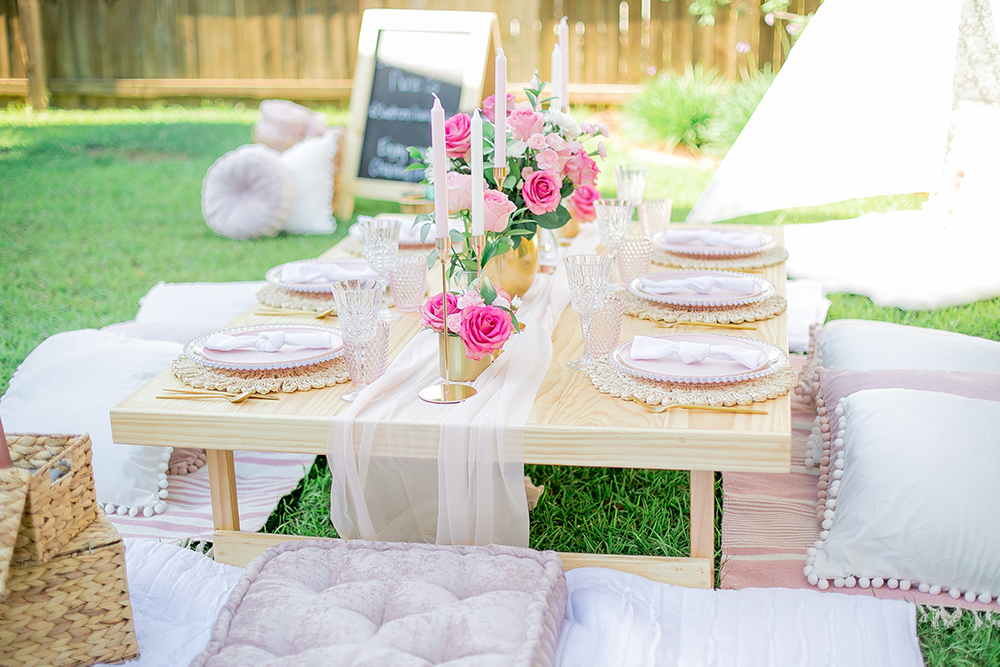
{"type": "Point", "coordinates": [330, 602]}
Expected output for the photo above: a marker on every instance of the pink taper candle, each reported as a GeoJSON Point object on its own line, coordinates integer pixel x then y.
{"type": "Point", "coordinates": [564, 52]}
{"type": "Point", "coordinates": [440, 161]}
{"type": "Point", "coordinates": [477, 174]}
{"type": "Point", "coordinates": [500, 95]}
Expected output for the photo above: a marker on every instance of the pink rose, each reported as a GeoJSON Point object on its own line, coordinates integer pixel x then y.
{"type": "Point", "coordinates": [490, 106]}
{"type": "Point", "coordinates": [536, 141]}
{"type": "Point", "coordinates": [459, 191]}
{"type": "Point", "coordinates": [470, 298]}
{"type": "Point", "coordinates": [484, 330]}
{"type": "Point", "coordinates": [580, 204]}
{"type": "Point", "coordinates": [601, 150]}
{"type": "Point", "coordinates": [541, 192]}
{"type": "Point", "coordinates": [455, 322]}
{"type": "Point", "coordinates": [496, 210]}
{"type": "Point", "coordinates": [457, 135]}
{"type": "Point", "coordinates": [548, 159]}
{"type": "Point", "coordinates": [525, 172]}
{"type": "Point", "coordinates": [524, 123]}
{"type": "Point", "coordinates": [430, 312]}
{"type": "Point", "coordinates": [581, 169]}
{"type": "Point", "coordinates": [555, 142]}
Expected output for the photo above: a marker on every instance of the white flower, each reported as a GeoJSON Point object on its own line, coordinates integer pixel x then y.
{"type": "Point", "coordinates": [515, 303]}
{"type": "Point", "coordinates": [516, 149]}
{"type": "Point", "coordinates": [565, 123]}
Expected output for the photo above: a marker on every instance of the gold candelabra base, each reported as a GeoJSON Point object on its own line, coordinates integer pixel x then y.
{"type": "Point", "coordinates": [447, 392]}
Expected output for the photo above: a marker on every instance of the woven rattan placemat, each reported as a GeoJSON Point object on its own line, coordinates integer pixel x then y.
{"type": "Point", "coordinates": [289, 380]}
{"type": "Point", "coordinates": [762, 260]}
{"type": "Point", "coordinates": [661, 312]}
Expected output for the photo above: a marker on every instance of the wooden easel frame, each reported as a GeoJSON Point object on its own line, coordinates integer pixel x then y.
{"type": "Point", "coordinates": [477, 83]}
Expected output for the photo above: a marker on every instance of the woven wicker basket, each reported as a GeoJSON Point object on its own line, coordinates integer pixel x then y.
{"type": "Point", "coordinates": [72, 610]}
{"type": "Point", "coordinates": [60, 501]}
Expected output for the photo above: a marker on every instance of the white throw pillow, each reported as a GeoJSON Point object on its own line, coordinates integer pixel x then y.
{"type": "Point", "coordinates": [69, 384]}
{"type": "Point", "coordinates": [863, 345]}
{"type": "Point", "coordinates": [280, 124]}
{"type": "Point", "coordinates": [310, 165]}
{"type": "Point", "coordinates": [914, 484]}
{"type": "Point", "coordinates": [247, 193]}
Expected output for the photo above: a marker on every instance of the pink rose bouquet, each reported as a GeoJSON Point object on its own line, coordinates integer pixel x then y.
{"type": "Point", "coordinates": [483, 316]}
{"type": "Point", "coordinates": [551, 174]}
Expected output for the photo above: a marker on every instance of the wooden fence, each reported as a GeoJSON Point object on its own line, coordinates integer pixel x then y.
{"type": "Point", "coordinates": [99, 52]}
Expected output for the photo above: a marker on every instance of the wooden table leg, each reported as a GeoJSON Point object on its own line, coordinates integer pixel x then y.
{"type": "Point", "coordinates": [703, 517]}
{"type": "Point", "coordinates": [222, 482]}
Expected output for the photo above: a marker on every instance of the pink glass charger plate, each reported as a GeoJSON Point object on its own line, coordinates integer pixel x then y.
{"type": "Point", "coordinates": [289, 356]}
{"type": "Point", "coordinates": [273, 275]}
{"type": "Point", "coordinates": [716, 298]}
{"type": "Point", "coordinates": [672, 370]}
{"type": "Point", "coordinates": [698, 249]}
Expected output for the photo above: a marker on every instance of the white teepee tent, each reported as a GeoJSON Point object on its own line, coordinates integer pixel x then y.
{"type": "Point", "coordinates": [876, 98]}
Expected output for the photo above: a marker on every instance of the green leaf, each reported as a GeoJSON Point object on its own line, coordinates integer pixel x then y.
{"type": "Point", "coordinates": [553, 219]}
{"type": "Point", "coordinates": [520, 232]}
{"type": "Point", "coordinates": [432, 258]}
{"type": "Point", "coordinates": [421, 217]}
{"type": "Point", "coordinates": [511, 179]}
{"type": "Point", "coordinates": [415, 153]}
{"type": "Point", "coordinates": [456, 236]}
{"type": "Point", "coordinates": [488, 292]}
{"type": "Point", "coordinates": [414, 166]}
{"type": "Point", "coordinates": [567, 189]}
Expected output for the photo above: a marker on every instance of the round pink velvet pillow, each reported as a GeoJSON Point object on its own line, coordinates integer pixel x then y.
{"type": "Point", "coordinates": [247, 193]}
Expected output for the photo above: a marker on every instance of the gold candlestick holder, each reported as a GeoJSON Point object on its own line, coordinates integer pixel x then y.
{"type": "Point", "coordinates": [500, 175]}
{"type": "Point", "coordinates": [478, 247]}
{"type": "Point", "coordinates": [448, 392]}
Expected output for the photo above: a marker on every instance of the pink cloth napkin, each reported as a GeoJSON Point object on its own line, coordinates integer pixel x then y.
{"type": "Point", "coordinates": [309, 272]}
{"type": "Point", "coordinates": [701, 285]}
{"type": "Point", "coordinates": [710, 237]}
{"type": "Point", "coordinates": [645, 347]}
{"type": "Point", "coordinates": [268, 341]}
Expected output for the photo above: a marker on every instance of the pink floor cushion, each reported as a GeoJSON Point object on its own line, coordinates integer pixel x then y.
{"type": "Point", "coordinates": [281, 124]}
{"type": "Point", "coordinates": [331, 602]}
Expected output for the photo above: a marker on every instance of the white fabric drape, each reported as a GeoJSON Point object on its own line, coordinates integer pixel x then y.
{"type": "Point", "coordinates": [473, 492]}
{"type": "Point", "coordinates": [861, 108]}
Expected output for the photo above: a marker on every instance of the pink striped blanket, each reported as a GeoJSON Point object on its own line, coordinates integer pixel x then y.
{"type": "Point", "coordinates": [261, 481]}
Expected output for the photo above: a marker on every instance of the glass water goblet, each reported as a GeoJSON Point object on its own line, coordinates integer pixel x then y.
{"type": "Point", "coordinates": [631, 182]}
{"type": "Point", "coordinates": [607, 326]}
{"type": "Point", "coordinates": [357, 310]}
{"type": "Point", "coordinates": [381, 240]}
{"type": "Point", "coordinates": [588, 277]}
{"type": "Point", "coordinates": [366, 360]}
{"type": "Point", "coordinates": [614, 217]}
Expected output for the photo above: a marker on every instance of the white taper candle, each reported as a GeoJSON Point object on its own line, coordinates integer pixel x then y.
{"type": "Point", "coordinates": [477, 174]}
{"type": "Point", "coordinates": [564, 51]}
{"type": "Point", "coordinates": [556, 76]}
{"type": "Point", "coordinates": [440, 160]}
{"type": "Point", "coordinates": [500, 124]}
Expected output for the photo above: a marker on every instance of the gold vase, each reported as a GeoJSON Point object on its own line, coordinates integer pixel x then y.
{"type": "Point", "coordinates": [515, 270]}
{"type": "Point", "coordinates": [461, 368]}
{"type": "Point", "coordinates": [569, 230]}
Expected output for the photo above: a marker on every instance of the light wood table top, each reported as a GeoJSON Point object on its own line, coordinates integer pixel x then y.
{"type": "Point", "coordinates": [572, 423]}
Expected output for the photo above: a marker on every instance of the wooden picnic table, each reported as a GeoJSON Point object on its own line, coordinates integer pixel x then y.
{"type": "Point", "coordinates": [571, 424]}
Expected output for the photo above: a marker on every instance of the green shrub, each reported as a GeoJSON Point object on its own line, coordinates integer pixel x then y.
{"type": "Point", "coordinates": [736, 107]}
{"type": "Point", "coordinates": [677, 109]}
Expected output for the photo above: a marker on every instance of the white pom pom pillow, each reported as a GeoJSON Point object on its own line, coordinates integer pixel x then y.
{"type": "Point", "coordinates": [835, 385]}
{"type": "Point", "coordinates": [253, 191]}
{"type": "Point", "coordinates": [247, 193]}
{"type": "Point", "coordinates": [914, 496]}
{"type": "Point", "coordinates": [864, 345]}
{"type": "Point", "coordinates": [69, 383]}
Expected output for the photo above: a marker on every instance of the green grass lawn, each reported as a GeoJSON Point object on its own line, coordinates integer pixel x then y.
{"type": "Point", "coordinates": [96, 207]}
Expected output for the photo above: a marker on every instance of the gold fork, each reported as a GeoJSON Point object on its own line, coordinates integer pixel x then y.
{"type": "Point", "coordinates": [232, 397]}
{"type": "Point", "coordinates": [744, 327]}
{"type": "Point", "coordinates": [268, 311]}
{"type": "Point", "coordinates": [684, 406]}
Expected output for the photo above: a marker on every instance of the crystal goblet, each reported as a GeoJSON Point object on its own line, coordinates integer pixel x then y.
{"type": "Point", "coordinates": [588, 277]}
{"type": "Point", "coordinates": [614, 217]}
{"type": "Point", "coordinates": [631, 182]}
{"type": "Point", "coordinates": [381, 240]}
{"type": "Point", "coordinates": [366, 360]}
{"type": "Point", "coordinates": [633, 259]}
{"type": "Point", "coordinates": [357, 310]}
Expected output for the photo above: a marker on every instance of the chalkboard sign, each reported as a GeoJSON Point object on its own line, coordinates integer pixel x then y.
{"type": "Point", "coordinates": [404, 58]}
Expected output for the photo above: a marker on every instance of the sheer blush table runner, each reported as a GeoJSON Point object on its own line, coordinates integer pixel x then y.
{"type": "Point", "coordinates": [473, 491]}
